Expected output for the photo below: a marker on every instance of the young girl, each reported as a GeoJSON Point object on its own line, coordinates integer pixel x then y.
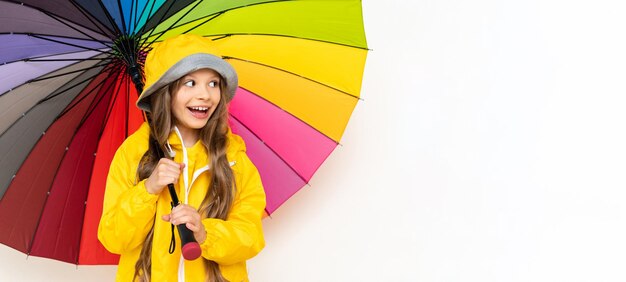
{"type": "Point", "coordinates": [222, 198]}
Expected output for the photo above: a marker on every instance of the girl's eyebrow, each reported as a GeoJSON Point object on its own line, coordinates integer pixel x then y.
{"type": "Point", "coordinates": [211, 76]}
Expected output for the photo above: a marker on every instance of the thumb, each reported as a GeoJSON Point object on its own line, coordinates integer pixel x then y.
{"type": "Point", "coordinates": [166, 217]}
{"type": "Point", "coordinates": [182, 166]}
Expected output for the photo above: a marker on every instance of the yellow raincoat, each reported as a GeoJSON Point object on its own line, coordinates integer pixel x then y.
{"type": "Point", "coordinates": [129, 212]}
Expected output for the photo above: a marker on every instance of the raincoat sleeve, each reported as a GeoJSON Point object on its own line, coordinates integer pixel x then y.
{"type": "Point", "coordinates": [240, 237]}
{"type": "Point", "coordinates": [129, 210]}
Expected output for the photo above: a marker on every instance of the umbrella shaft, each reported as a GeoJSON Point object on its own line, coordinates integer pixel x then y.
{"type": "Point", "coordinates": [175, 200]}
{"type": "Point", "coordinates": [135, 76]}
{"type": "Point", "coordinates": [189, 246]}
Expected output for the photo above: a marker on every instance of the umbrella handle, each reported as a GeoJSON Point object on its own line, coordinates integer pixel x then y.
{"type": "Point", "coordinates": [190, 247]}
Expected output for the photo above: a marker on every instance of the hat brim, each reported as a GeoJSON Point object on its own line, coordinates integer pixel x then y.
{"type": "Point", "coordinates": [189, 64]}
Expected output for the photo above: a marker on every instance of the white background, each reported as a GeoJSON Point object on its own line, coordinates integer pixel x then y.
{"type": "Point", "coordinates": [490, 146]}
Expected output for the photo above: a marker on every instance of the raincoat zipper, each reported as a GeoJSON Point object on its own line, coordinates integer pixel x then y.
{"type": "Point", "coordinates": [181, 266]}
{"type": "Point", "coordinates": [196, 174]}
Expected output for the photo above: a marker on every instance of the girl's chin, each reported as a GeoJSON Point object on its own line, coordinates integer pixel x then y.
{"type": "Point", "coordinates": [194, 125]}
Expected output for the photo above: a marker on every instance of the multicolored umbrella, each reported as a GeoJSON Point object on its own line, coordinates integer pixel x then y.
{"type": "Point", "coordinates": [67, 100]}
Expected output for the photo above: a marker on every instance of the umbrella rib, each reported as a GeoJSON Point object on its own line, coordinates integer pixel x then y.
{"type": "Point", "coordinates": [61, 92]}
{"type": "Point", "coordinates": [126, 109]}
{"type": "Point", "coordinates": [65, 208]}
{"type": "Point", "coordinates": [112, 99]}
{"type": "Point", "coordinates": [43, 77]}
{"type": "Point", "coordinates": [292, 115]}
{"type": "Point", "coordinates": [43, 100]}
{"type": "Point", "coordinates": [119, 5]}
{"type": "Point", "coordinates": [32, 240]}
{"type": "Point", "coordinates": [270, 148]}
{"type": "Point", "coordinates": [37, 58]}
{"type": "Point", "coordinates": [103, 125]}
{"type": "Point", "coordinates": [92, 106]}
{"type": "Point", "coordinates": [62, 74]}
{"type": "Point", "coordinates": [218, 13]}
{"type": "Point", "coordinates": [215, 15]}
{"type": "Point", "coordinates": [60, 60]}
{"type": "Point", "coordinates": [70, 107]}
{"type": "Point", "coordinates": [80, 8]}
{"type": "Point", "coordinates": [108, 16]}
{"type": "Point", "coordinates": [49, 14]}
{"type": "Point", "coordinates": [69, 44]}
{"type": "Point", "coordinates": [110, 109]}
{"type": "Point", "coordinates": [105, 43]}
{"type": "Point", "coordinates": [292, 73]}
{"type": "Point", "coordinates": [133, 16]}
{"type": "Point", "coordinates": [143, 42]}
{"type": "Point", "coordinates": [47, 98]}
{"type": "Point", "coordinates": [124, 52]}
{"type": "Point", "coordinates": [225, 35]}
{"type": "Point", "coordinates": [188, 11]}
{"type": "Point", "coordinates": [162, 12]}
{"type": "Point", "coordinates": [141, 14]}
{"type": "Point", "coordinates": [55, 17]}
{"type": "Point", "coordinates": [202, 23]}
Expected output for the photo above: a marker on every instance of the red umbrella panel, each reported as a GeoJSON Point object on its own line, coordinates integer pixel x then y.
{"type": "Point", "coordinates": [47, 214]}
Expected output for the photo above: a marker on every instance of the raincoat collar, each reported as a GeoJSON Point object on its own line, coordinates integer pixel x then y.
{"type": "Point", "coordinates": [235, 143]}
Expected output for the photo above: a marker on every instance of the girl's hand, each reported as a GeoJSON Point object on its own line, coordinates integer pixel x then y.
{"type": "Point", "coordinates": [165, 172]}
{"type": "Point", "coordinates": [186, 214]}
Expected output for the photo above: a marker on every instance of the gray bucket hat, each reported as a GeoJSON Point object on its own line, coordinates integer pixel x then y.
{"type": "Point", "coordinates": [177, 56]}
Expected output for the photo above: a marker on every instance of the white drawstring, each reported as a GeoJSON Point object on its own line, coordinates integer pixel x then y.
{"type": "Point", "coordinates": [169, 150]}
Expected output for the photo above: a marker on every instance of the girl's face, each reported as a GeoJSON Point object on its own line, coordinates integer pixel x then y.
{"type": "Point", "coordinates": [195, 100]}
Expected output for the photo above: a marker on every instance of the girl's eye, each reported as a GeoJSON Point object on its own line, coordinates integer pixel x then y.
{"type": "Point", "coordinates": [190, 83]}
{"type": "Point", "coordinates": [213, 84]}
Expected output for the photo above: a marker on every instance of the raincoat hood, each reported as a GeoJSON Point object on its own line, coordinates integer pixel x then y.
{"type": "Point", "coordinates": [178, 56]}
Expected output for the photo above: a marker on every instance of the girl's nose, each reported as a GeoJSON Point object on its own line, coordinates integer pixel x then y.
{"type": "Point", "coordinates": [204, 93]}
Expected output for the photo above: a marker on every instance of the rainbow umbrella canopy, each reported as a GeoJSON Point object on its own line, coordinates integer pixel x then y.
{"type": "Point", "coordinates": [67, 100]}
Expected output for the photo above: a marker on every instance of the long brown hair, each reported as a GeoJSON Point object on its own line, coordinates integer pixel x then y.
{"type": "Point", "coordinates": [219, 198]}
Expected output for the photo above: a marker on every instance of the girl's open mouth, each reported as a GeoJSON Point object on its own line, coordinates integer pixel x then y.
{"type": "Point", "coordinates": [199, 112]}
